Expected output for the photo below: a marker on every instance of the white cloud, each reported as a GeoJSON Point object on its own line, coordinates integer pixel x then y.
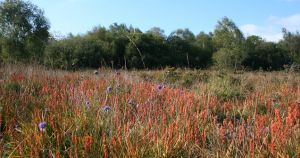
{"type": "Point", "coordinates": [292, 22]}
{"type": "Point", "coordinates": [272, 30]}
{"type": "Point", "coordinates": [266, 32]}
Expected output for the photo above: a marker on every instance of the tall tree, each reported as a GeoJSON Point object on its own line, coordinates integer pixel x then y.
{"type": "Point", "coordinates": [291, 43]}
{"type": "Point", "coordinates": [184, 34]}
{"type": "Point", "coordinates": [264, 55]}
{"type": "Point", "coordinates": [23, 29]}
{"type": "Point", "coordinates": [229, 43]}
{"type": "Point", "coordinates": [205, 44]}
{"type": "Point", "coordinates": [156, 31]}
{"type": "Point", "coordinates": [153, 50]}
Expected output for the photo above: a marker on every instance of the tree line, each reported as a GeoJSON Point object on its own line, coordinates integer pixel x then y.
{"type": "Point", "coordinates": [25, 37]}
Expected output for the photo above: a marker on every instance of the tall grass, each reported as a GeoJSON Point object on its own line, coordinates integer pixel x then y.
{"type": "Point", "coordinates": [148, 118]}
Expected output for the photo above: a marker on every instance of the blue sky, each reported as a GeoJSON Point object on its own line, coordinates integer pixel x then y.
{"type": "Point", "coordinates": [259, 17]}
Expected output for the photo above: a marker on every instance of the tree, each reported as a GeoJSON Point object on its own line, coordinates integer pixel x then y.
{"type": "Point", "coordinates": [184, 34]}
{"type": "Point", "coordinates": [205, 44]}
{"type": "Point", "coordinates": [153, 50]}
{"type": "Point", "coordinates": [265, 55]}
{"type": "Point", "coordinates": [204, 41]}
{"type": "Point", "coordinates": [156, 31]}
{"type": "Point", "coordinates": [291, 43]}
{"type": "Point", "coordinates": [229, 43]}
{"type": "Point", "coordinates": [23, 30]}
{"type": "Point", "coordinates": [179, 50]}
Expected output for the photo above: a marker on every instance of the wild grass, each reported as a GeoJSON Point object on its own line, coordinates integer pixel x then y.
{"type": "Point", "coordinates": [168, 113]}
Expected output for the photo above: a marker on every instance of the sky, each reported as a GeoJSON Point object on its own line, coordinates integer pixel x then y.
{"type": "Point", "coordinates": [265, 18]}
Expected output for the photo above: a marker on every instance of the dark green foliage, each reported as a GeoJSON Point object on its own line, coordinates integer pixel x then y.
{"type": "Point", "coordinates": [265, 55]}
{"type": "Point", "coordinates": [120, 47]}
{"type": "Point", "coordinates": [24, 37]}
{"type": "Point", "coordinates": [76, 52]}
{"type": "Point", "coordinates": [23, 31]}
{"type": "Point", "coordinates": [291, 44]}
{"type": "Point", "coordinates": [153, 51]}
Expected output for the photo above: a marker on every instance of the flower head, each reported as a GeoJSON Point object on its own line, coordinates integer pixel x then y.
{"type": "Point", "coordinates": [109, 89]}
{"type": "Point", "coordinates": [105, 108]}
{"type": "Point", "coordinates": [131, 102]}
{"type": "Point", "coordinates": [46, 109]}
{"type": "Point", "coordinates": [159, 87]}
{"type": "Point", "coordinates": [87, 103]}
{"type": "Point", "coordinates": [42, 126]}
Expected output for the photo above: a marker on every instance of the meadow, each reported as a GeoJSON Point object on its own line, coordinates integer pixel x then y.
{"type": "Point", "coordinates": [163, 113]}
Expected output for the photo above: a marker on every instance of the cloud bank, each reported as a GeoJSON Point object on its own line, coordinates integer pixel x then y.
{"type": "Point", "coordinates": [272, 30]}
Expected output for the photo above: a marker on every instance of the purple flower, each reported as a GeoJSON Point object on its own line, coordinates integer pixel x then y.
{"type": "Point", "coordinates": [46, 109]}
{"type": "Point", "coordinates": [131, 102]}
{"type": "Point", "coordinates": [105, 108]}
{"type": "Point", "coordinates": [109, 89]}
{"type": "Point", "coordinates": [42, 125]}
{"type": "Point", "coordinates": [87, 104]}
{"type": "Point", "coordinates": [159, 87]}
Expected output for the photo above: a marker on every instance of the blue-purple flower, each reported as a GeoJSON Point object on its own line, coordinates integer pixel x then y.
{"type": "Point", "coordinates": [87, 104]}
{"type": "Point", "coordinates": [42, 126]}
{"type": "Point", "coordinates": [131, 102]}
{"type": "Point", "coordinates": [46, 109]}
{"type": "Point", "coordinates": [106, 108]}
{"type": "Point", "coordinates": [109, 89]}
{"type": "Point", "coordinates": [159, 87]}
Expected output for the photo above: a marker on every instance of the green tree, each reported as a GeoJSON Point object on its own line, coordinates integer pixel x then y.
{"type": "Point", "coordinates": [156, 31]}
{"type": "Point", "coordinates": [152, 47]}
{"type": "Point", "coordinates": [23, 29]}
{"type": "Point", "coordinates": [291, 43]}
{"type": "Point", "coordinates": [229, 44]}
{"type": "Point", "coordinates": [205, 44]}
{"type": "Point", "coordinates": [184, 34]}
{"type": "Point", "coordinates": [265, 55]}
{"type": "Point", "coordinates": [179, 51]}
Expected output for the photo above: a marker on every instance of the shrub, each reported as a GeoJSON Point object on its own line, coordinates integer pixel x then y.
{"type": "Point", "coordinates": [225, 87]}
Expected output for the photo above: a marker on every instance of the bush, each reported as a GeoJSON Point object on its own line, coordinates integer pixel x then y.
{"type": "Point", "coordinates": [225, 87]}
{"type": "Point", "coordinates": [76, 53]}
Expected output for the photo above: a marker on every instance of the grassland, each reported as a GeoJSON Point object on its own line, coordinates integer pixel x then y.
{"type": "Point", "coordinates": [166, 113]}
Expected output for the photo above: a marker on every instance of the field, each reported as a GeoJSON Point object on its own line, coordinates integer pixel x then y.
{"type": "Point", "coordinates": [166, 113]}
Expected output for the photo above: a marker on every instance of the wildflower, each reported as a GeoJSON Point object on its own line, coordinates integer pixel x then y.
{"type": "Point", "coordinates": [46, 109]}
{"type": "Point", "coordinates": [42, 126]}
{"type": "Point", "coordinates": [109, 89]}
{"type": "Point", "coordinates": [87, 103]}
{"type": "Point", "coordinates": [106, 108]}
{"type": "Point", "coordinates": [131, 103]}
{"type": "Point", "coordinates": [159, 87]}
